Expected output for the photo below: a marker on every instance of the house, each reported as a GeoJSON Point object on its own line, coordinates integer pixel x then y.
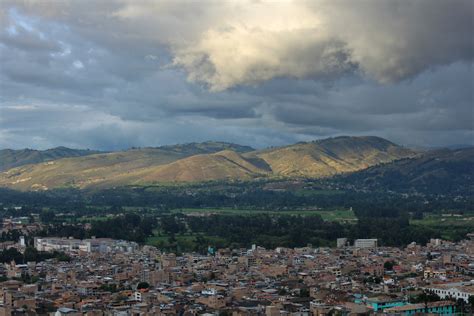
{"type": "Point", "coordinates": [441, 307]}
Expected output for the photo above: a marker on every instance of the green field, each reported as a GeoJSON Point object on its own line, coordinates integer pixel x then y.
{"type": "Point", "coordinates": [307, 192]}
{"type": "Point", "coordinates": [330, 215]}
{"type": "Point", "coordinates": [445, 220]}
{"type": "Point", "coordinates": [90, 219]}
{"type": "Point", "coordinates": [452, 226]}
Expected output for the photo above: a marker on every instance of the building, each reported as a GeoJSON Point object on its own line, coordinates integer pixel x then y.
{"type": "Point", "coordinates": [366, 243]}
{"type": "Point", "coordinates": [58, 244]}
{"type": "Point", "coordinates": [102, 245]}
{"type": "Point", "coordinates": [441, 307]}
{"type": "Point", "coordinates": [457, 291]}
{"type": "Point", "coordinates": [429, 273]}
{"type": "Point", "coordinates": [341, 242]}
{"type": "Point", "coordinates": [382, 303]}
{"type": "Point", "coordinates": [67, 311]}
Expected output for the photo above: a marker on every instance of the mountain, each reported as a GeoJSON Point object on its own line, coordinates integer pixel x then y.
{"type": "Point", "coordinates": [332, 156]}
{"type": "Point", "coordinates": [208, 147]}
{"type": "Point", "coordinates": [105, 169]}
{"type": "Point", "coordinates": [439, 171]}
{"type": "Point", "coordinates": [218, 166]}
{"type": "Point", "coordinates": [197, 162]}
{"type": "Point", "coordinates": [10, 158]}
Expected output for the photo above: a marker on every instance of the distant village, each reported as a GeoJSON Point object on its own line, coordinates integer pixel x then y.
{"type": "Point", "coordinates": [116, 277]}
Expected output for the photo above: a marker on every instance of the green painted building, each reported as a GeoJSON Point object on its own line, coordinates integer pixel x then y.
{"type": "Point", "coordinates": [441, 308]}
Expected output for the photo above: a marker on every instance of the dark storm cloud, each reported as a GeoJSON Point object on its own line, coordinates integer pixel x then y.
{"type": "Point", "coordinates": [432, 102]}
{"type": "Point", "coordinates": [116, 74]}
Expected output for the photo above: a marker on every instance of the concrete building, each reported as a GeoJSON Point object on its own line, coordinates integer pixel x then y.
{"type": "Point", "coordinates": [459, 290]}
{"type": "Point", "coordinates": [67, 311]}
{"type": "Point", "coordinates": [366, 243]}
{"type": "Point", "coordinates": [22, 241]}
{"type": "Point", "coordinates": [382, 303]}
{"type": "Point", "coordinates": [440, 308]}
{"type": "Point", "coordinates": [102, 245]}
{"type": "Point", "coordinates": [341, 242]}
{"type": "Point", "coordinates": [429, 273]}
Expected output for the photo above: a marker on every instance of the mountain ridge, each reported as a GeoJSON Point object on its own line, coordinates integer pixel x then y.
{"type": "Point", "coordinates": [438, 171]}
{"type": "Point", "coordinates": [10, 158]}
{"type": "Point", "coordinates": [330, 156]}
{"type": "Point", "coordinates": [197, 162]}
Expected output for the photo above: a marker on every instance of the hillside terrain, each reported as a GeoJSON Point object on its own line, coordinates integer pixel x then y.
{"type": "Point", "coordinates": [105, 169]}
{"type": "Point", "coordinates": [332, 156]}
{"type": "Point", "coordinates": [218, 166]}
{"type": "Point", "coordinates": [207, 161]}
{"type": "Point", "coordinates": [438, 171]}
{"type": "Point", "coordinates": [10, 158]}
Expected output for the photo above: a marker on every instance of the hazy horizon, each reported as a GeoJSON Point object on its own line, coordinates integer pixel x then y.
{"type": "Point", "coordinates": [447, 146]}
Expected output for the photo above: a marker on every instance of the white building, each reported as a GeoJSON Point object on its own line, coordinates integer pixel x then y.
{"type": "Point", "coordinates": [58, 244]}
{"type": "Point", "coordinates": [66, 311]}
{"type": "Point", "coordinates": [460, 290]}
{"type": "Point", "coordinates": [103, 245]}
{"type": "Point", "coordinates": [365, 243]}
{"type": "Point", "coordinates": [137, 296]}
{"type": "Point", "coordinates": [210, 291]}
{"type": "Point", "coordinates": [341, 242]}
{"type": "Point", "coordinates": [22, 241]}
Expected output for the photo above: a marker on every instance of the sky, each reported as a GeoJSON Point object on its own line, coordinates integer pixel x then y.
{"type": "Point", "coordinates": [112, 75]}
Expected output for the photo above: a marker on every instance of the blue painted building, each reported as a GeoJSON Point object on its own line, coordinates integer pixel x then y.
{"type": "Point", "coordinates": [380, 304]}
{"type": "Point", "coordinates": [441, 308]}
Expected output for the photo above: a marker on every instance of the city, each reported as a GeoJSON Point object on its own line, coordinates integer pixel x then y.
{"type": "Point", "coordinates": [236, 157]}
{"type": "Point", "coordinates": [102, 276]}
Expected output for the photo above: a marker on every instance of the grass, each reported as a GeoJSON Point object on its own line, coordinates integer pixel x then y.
{"type": "Point", "coordinates": [445, 220]}
{"type": "Point", "coordinates": [452, 227]}
{"type": "Point", "coordinates": [96, 218]}
{"type": "Point", "coordinates": [338, 216]}
{"type": "Point", "coordinates": [306, 192]}
{"type": "Point", "coordinates": [329, 215]}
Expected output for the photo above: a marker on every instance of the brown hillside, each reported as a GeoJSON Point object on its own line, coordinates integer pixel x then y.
{"type": "Point", "coordinates": [204, 162]}
{"type": "Point", "coordinates": [222, 165]}
{"type": "Point", "coordinates": [332, 156]}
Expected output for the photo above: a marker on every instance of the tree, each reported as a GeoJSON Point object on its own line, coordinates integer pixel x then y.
{"type": "Point", "coordinates": [282, 291]}
{"type": "Point", "coordinates": [61, 256]}
{"type": "Point", "coordinates": [143, 285]}
{"type": "Point", "coordinates": [461, 304]}
{"type": "Point", "coordinates": [30, 254]}
{"type": "Point", "coordinates": [47, 216]}
{"type": "Point", "coordinates": [388, 265]}
{"type": "Point", "coordinates": [304, 292]}
{"type": "Point", "coordinates": [425, 297]}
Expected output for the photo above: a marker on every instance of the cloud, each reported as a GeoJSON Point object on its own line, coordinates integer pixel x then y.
{"type": "Point", "coordinates": [386, 40]}
{"type": "Point", "coordinates": [231, 43]}
{"type": "Point", "coordinates": [258, 41]}
{"type": "Point", "coordinates": [140, 73]}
